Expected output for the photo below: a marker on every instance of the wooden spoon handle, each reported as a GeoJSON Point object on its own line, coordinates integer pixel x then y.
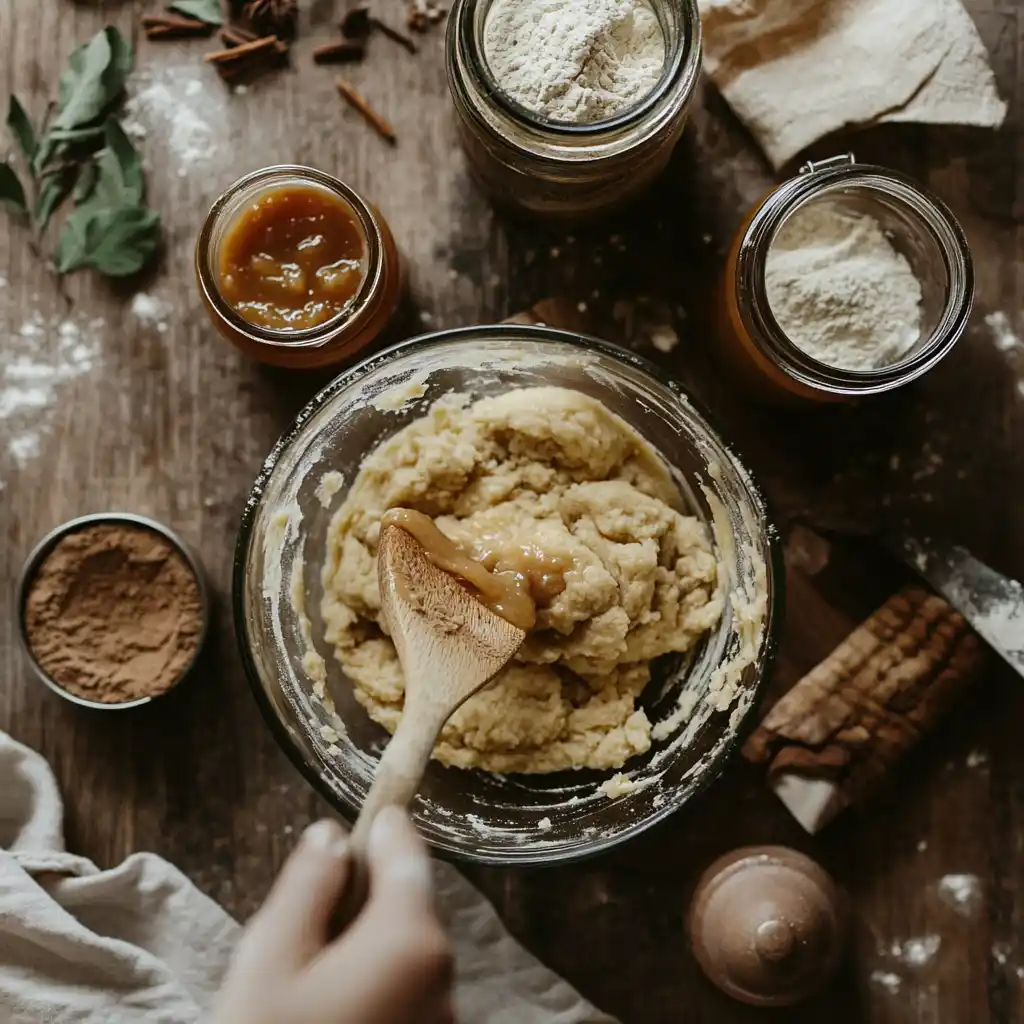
{"type": "Point", "coordinates": [398, 778]}
{"type": "Point", "coordinates": [398, 774]}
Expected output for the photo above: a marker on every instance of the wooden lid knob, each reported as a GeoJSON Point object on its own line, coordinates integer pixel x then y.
{"type": "Point", "coordinates": [767, 925]}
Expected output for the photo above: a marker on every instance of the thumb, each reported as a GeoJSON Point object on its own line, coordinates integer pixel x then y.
{"type": "Point", "coordinates": [396, 955]}
{"type": "Point", "coordinates": [401, 876]}
{"type": "Point", "coordinates": [291, 926]}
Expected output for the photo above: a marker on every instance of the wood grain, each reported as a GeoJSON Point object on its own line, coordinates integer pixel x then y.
{"type": "Point", "coordinates": [175, 424]}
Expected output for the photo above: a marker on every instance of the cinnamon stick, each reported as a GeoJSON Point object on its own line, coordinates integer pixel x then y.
{"type": "Point", "coordinates": [232, 55]}
{"type": "Point", "coordinates": [393, 33]}
{"type": "Point", "coordinates": [173, 26]}
{"type": "Point", "coordinates": [235, 35]}
{"type": "Point", "coordinates": [356, 101]}
{"type": "Point", "coordinates": [339, 53]}
{"type": "Point", "coordinates": [249, 58]}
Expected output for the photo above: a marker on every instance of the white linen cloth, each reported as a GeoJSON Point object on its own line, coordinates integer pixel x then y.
{"type": "Point", "coordinates": [141, 943]}
{"type": "Point", "coordinates": [796, 70]}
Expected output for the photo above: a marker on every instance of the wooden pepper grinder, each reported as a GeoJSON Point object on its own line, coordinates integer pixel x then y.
{"type": "Point", "coordinates": [767, 925]}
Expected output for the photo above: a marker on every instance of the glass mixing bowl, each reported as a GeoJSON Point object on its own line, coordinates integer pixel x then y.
{"type": "Point", "coordinates": [476, 815]}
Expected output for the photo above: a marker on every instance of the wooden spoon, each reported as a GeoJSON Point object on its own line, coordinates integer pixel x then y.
{"type": "Point", "coordinates": [449, 645]}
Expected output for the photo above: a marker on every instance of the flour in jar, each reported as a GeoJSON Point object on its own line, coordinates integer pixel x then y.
{"type": "Point", "coordinates": [840, 291]}
{"type": "Point", "coordinates": [579, 61]}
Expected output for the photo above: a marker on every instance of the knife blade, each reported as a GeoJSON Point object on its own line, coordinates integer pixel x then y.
{"type": "Point", "coordinates": [992, 603]}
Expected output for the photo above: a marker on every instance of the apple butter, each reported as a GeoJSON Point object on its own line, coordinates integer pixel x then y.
{"type": "Point", "coordinates": [293, 258]}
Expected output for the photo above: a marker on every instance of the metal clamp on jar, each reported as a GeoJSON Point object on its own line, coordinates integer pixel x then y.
{"type": "Point", "coordinates": [267, 331]}
{"type": "Point", "coordinates": [918, 227]}
{"type": "Point", "coordinates": [559, 169]}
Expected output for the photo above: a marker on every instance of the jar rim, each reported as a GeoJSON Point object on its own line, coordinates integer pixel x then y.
{"type": "Point", "coordinates": [845, 174]}
{"type": "Point", "coordinates": [681, 70]}
{"type": "Point", "coordinates": [318, 335]}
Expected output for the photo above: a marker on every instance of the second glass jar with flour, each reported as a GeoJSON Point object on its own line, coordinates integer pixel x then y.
{"type": "Point", "coordinates": [568, 110]}
{"type": "Point", "coordinates": [847, 281]}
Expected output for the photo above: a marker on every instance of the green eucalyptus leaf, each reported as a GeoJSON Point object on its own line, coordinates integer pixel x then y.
{"type": "Point", "coordinates": [118, 174]}
{"type": "Point", "coordinates": [86, 184]}
{"type": "Point", "coordinates": [11, 192]}
{"type": "Point", "coordinates": [52, 193]}
{"type": "Point", "coordinates": [21, 127]}
{"type": "Point", "coordinates": [94, 79]}
{"type": "Point", "coordinates": [82, 92]}
{"type": "Point", "coordinates": [74, 135]}
{"type": "Point", "coordinates": [204, 10]}
{"type": "Point", "coordinates": [108, 190]}
{"type": "Point", "coordinates": [59, 142]}
{"type": "Point", "coordinates": [116, 241]}
{"type": "Point", "coordinates": [128, 160]}
{"type": "Point", "coordinates": [71, 248]}
{"type": "Point", "coordinates": [121, 61]}
{"type": "Point", "coordinates": [45, 149]}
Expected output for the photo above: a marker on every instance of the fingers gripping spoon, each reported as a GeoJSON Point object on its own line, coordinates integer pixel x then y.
{"type": "Point", "coordinates": [449, 645]}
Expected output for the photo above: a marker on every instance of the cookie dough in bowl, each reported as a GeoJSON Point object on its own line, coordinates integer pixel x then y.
{"type": "Point", "coordinates": [548, 470]}
{"type": "Point", "coordinates": [645, 543]}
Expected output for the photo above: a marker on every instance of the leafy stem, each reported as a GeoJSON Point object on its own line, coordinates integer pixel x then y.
{"type": "Point", "coordinates": [81, 151]}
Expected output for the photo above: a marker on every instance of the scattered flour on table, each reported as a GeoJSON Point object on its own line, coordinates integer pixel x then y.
{"type": "Point", "coordinates": [977, 759]}
{"type": "Point", "coordinates": [840, 291]}
{"type": "Point", "coordinates": [888, 981]}
{"type": "Point", "coordinates": [961, 892]}
{"type": "Point", "coordinates": [1009, 343]}
{"type": "Point", "coordinates": [150, 311]}
{"type": "Point", "coordinates": [646, 321]}
{"type": "Point", "coordinates": [1004, 337]}
{"type": "Point", "coordinates": [172, 104]}
{"type": "Point", "coordinates": [37, 360]}
{"type": "Point", "coordinates": [574, 60]}
{"type": "Point", "coordinates": [915, 952]}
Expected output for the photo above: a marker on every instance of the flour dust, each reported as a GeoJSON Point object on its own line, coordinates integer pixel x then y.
{"type": "Point", "coordinates": [40, 358]}
{"type": "Point", "coordinates": [181, 107]}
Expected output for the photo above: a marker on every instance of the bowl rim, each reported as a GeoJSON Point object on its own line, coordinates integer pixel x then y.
{"type": "Point", "coordinates": [537, 332]}
{"type": "Point", "coordinates": [49, 541]}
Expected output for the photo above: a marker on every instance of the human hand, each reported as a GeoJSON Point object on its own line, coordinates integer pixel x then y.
{"type": "Point", "coordinates": [392, 966]}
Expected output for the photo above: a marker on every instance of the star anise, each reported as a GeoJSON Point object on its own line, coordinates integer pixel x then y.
{"type": "Point", "coordinates": [272, 17]}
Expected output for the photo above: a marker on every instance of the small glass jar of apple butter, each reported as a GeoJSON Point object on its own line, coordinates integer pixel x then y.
{"type": "Point", "coordinates": [296, 269]}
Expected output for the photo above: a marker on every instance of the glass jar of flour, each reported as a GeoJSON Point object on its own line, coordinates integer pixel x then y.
{"type": "Point", "coordinates": [848, 280]}
{"type": "Point", "coordinates": [569, 110]}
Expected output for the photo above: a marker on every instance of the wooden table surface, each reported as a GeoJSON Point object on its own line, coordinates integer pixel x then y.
{"type": "Point", "coordinates": [168, 421]}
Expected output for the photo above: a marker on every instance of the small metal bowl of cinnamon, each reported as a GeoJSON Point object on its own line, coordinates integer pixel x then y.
{"type": "Point", "coordinates": [113, 610]}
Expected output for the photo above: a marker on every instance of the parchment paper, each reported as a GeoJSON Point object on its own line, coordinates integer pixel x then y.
{"type": "Point", "coordinates": [797, 70]}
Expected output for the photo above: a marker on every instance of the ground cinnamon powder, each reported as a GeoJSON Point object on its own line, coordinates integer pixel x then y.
{"type": "Point", "coordinates": [113, 613]}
